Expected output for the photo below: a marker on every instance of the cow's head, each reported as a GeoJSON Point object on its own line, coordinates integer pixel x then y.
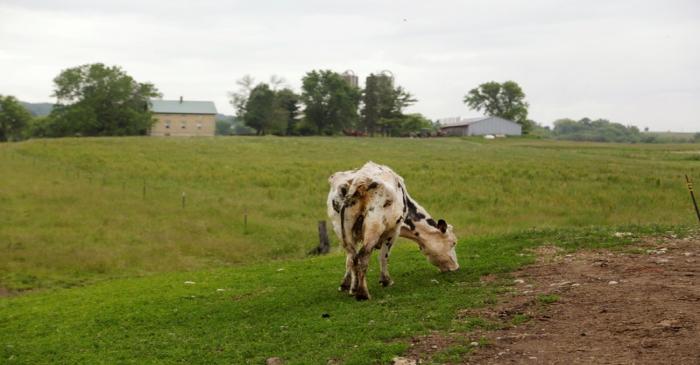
{"type": "Point", "coordinates": [437, 242]}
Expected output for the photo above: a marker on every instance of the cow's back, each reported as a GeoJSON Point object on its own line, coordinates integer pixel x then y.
{"type": "Point", "coordinates": [372, 193]}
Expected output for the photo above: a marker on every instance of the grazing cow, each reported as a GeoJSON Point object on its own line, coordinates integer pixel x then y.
{"type": "Point", "coordinates": [369, 209]}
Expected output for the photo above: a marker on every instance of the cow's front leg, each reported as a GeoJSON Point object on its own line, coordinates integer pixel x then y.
{"type": "Point", "coordinates": [361, 262]}
{"type": "Point", "coordinates": [384, 277]}
{"type": "Point", "coordinates": [346, 284]}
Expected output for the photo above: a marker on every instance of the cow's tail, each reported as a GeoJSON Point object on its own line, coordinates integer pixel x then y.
{"type": "Point", "coordinates": [342, 226]}
{"type": "Point", "coordinates": [352, 212]}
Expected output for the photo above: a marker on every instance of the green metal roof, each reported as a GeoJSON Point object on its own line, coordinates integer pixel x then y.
{"type": "Point", "coordinates": [183, 107]}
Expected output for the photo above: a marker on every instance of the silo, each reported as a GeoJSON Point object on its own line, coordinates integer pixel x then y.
{"type": "Point", "coordinates": [351, 78]}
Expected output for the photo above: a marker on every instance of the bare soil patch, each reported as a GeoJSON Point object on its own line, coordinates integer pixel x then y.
{"type": "Point", "coordinates": [4, 292]}
{"type": "Point", "coordinates": [640, 305]}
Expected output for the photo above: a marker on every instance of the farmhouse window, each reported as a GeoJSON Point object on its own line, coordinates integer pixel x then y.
{"type": "Point", "coordinates": [184, 125]}
{"type": "Point", "coordinates": [199, 125]}
{"type": "Point", "coordinates": [167, 124]}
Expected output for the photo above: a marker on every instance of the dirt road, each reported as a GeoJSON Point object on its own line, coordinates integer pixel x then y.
{"type": "Point", "coordinates": [636, 306]}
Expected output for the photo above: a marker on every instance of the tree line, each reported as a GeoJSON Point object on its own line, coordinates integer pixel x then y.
{"type": "Point", "coordinates": [91, 100]}
{"type": "Point", "coordinates": [603, 130]}
{"type": "Point", "coordinates": [328, 105]}
{"type": "Point", "coordinates": [99, 100]}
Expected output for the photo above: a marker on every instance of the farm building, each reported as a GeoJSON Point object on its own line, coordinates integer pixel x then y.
{"type": "Point", "coordinates": [479, 126]}
{"type": "Point", "coordinates": [183, 118]}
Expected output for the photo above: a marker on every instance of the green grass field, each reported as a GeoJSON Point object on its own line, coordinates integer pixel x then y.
{"type": "Point", "coordinates": [73, 214]}
{"type": "Point", "coordinates": [73, 209]}
{"type": "Point", "coordinates": [286, 309]}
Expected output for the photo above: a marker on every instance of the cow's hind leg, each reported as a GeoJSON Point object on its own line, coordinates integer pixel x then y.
{"type": "Point", "coordinates": [385, 278]}
{"type": "Point", "coordinates": [361, 262]}
{"type": "Point", "coordinates": [346, 284]}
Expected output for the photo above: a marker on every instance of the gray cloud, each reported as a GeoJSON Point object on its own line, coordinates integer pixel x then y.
{"type": "Point", "coordinates": [634, 62]}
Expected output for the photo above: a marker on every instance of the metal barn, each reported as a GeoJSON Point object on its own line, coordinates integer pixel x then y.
{"type": "Point", "coordinates": [480, 126]}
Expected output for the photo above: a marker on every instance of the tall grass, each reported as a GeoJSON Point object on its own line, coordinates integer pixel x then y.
{"type": "Point", "coordinates": [73, 210]}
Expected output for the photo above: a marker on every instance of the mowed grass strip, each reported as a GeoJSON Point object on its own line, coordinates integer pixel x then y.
{"type": "Point", "coordinates": [290, 310]}
{"type": "Point", "coordinates": [73, 210]}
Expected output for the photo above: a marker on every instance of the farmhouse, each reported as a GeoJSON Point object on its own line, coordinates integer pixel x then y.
{"type": "Point", "coordinates": [479, 126]}
{"type": "Point", "coordinates": [183, 118]}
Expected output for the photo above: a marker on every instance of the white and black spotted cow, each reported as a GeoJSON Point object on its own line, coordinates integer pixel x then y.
{"type": "Point", "coordinates": [370, 208]}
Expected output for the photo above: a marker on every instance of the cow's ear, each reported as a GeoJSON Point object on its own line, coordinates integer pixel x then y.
{"type": "Point", "coordinates": [442, 225]}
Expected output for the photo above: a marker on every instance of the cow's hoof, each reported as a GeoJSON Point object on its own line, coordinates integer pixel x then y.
{"type": "Point", "coordinates": [344, 287]}
{"type": "Point", "coordinates": [386, 283]}
{"type": "Point", "coordinates": [361, 296]}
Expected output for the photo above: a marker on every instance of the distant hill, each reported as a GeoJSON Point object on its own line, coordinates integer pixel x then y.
{"type": "Point", "coordinates": [224, 117]}
{"type": "Point", "coordinates": [38, 109]}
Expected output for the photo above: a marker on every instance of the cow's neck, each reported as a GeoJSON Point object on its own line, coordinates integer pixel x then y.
{"type": "Point", "coordinates": [416, 221]}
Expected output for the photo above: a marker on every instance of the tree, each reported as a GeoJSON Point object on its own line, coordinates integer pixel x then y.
{"type": "Point", "coordinates": [415, 123]}
{"type": "Point", "coordinates": [263, 111]}
{"type": "Point", "coordinates": [506, 100]}
{"type": "Point", "coordinates": [406, 125]}
{"type": "Point", "coordinates": [380, 100]}
{"type": "Point", "coordinates": [266, 107]}
{"type": "Point", "coordinates": [240, 98]}
{"type": "Point", "coordinates": [539, 130]}
{"type": "Point", "coordinates": [401, 100]}
{"type": "Point", "coordinates": [288, 101]}
{"type": "Point", "coordinates": [246, 84]}
{"type": "Point", "coordinates": [13, 118]}
{"type": "Point", "coordinates": [73, 120]}
{"type": "Point", "coordinates": [331, 102]}
{"type": "Point", "coordinates": [224, 127]}
{"type": "Point", "coordinates": [97, 100]}
{"type": "Point", "coordinates": [277, 82]}
{"type": "Point", "coordinates": [39, 127]}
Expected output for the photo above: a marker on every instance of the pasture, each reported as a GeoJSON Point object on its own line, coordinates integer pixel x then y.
{"type": "Point", "coordinates": [74, 210]}
{"type": "Point", "coordinates": [159, 282]}
{"type": "Point", "coordinates": [287, 309]}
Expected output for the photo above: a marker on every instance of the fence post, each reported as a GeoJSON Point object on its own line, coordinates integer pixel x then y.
{"type": "Point", "coordinates": [324, 245]}
{"type": "Point", "coordinates": [245, 220]}
{"type": "Point", "coordinates": [323, 242]}
{"type": "Point", "coordinates": [692, 196]}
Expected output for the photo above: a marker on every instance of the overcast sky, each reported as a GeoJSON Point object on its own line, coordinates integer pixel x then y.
{"type": "Point", "coordinates": [633, 62]}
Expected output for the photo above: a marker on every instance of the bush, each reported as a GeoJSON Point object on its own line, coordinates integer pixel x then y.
{"type": "Point", "coordinates": [600, 130]}
{"type": "Point", "coordinates": [13, 118]}
{"type": "Point", "coordinates": [224, 127]}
